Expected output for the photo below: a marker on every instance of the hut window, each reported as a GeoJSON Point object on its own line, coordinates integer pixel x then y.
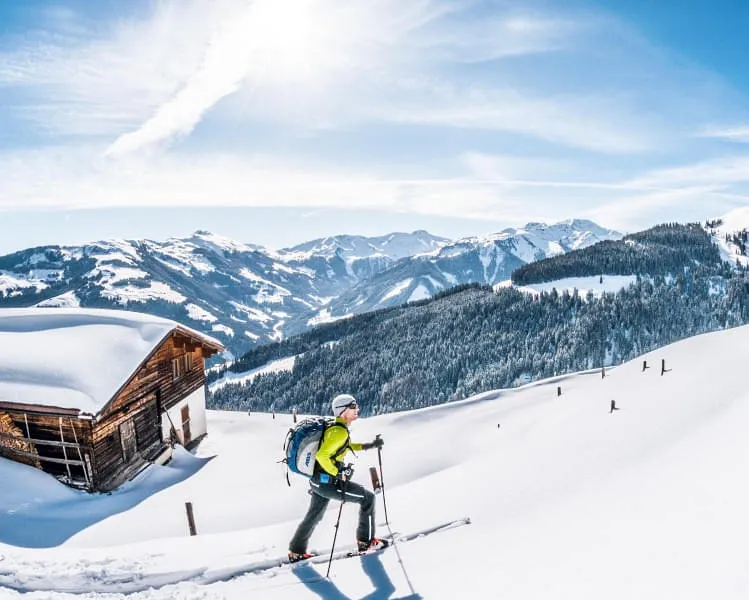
{"type": "Point", "coordinates": [176, 368]}
{"type": "Point", "coordinates": [181, 365]}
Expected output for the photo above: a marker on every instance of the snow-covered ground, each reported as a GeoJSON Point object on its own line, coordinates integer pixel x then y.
{"type": "Point", "coordinates": [733, 222]}
{"type": "Point", "coordinates": [567, 500]}
{"type": "Point", "coordinates": [274, 366]}
{"type": "Point", "coordinates": [597, 285]}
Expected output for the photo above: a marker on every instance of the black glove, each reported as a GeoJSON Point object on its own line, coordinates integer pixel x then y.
{"type": "Point", "coordinates": [375, 443]}
{"type": "Point", "coordinates": [346, 473]}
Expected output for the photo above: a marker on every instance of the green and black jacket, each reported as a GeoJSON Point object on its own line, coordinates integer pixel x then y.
{"type": "Point", "coordinates": [335, 444]}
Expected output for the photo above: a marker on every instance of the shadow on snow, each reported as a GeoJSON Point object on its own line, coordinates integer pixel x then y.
{"type": "Point", "coordinates": [43, 513]}
{"type": "Point", "coordinates": [372, 565]}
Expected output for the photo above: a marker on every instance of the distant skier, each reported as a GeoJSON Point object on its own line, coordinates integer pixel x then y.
{"type": "Point", "coordinates": [331, 481]}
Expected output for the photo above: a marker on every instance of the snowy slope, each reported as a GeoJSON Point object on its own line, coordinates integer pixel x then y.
{"type": "Point", "coordinates": [567, 500]}
{"type": "Point", "coordinates": [733, 222]}
{"type": "Point", "coordinates": [597, 285]}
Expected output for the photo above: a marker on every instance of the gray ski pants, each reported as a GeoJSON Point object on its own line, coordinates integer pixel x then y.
{"type": "Point", "coordinates": [320, 495]}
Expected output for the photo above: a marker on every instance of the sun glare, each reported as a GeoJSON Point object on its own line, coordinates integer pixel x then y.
{"type": "Point", "coordinates": [291, 40]}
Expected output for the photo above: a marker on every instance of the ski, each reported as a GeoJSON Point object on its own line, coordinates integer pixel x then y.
{"type": "Point", "coordinates": [320, 557]}
{"type": "Point", "coordinates": [350, 552]}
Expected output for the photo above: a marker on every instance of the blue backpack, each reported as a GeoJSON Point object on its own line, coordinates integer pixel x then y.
{"type": "Point", "coordinates": [302, 443]}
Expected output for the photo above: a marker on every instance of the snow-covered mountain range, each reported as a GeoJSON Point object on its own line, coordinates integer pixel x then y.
{"type": "Point", "coordinates": [488, 259]}
{"type": "Point", "coordinates": [244, 294]}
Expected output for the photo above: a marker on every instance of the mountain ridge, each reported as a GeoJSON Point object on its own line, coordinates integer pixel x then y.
{"type": "Point", "coordinates": [477, 337]}
{"type": "Point", "coordinates": [245, 294]}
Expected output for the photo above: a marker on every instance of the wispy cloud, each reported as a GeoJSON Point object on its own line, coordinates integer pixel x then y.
{"type": "Point", "coordinates": [507, 110]}
{"type": "Point", "coordinates": [98, 79]}
{"type": "Point", "coordinates": [494, 38]}
{"type": "Point", "coordinates": [579, 122]}
{"type": "Point", "coordinates": [738, 133]}
{"type": "Point", "coordinates": [718, 173]}
{"type": "Point", "coordinates": [65, 178]}
{"type": "Point", "coordinates": [158, 78]}
{"type": "Point", "coordinates": [264, 38]}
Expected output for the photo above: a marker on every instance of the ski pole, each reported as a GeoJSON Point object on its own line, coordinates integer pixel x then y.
{"type": "Point", "coordinates": [382, 483]}
{"type": "Point", "coordinates": [387, 522]}
{"type": "Point", "coordinates": [337, 523]}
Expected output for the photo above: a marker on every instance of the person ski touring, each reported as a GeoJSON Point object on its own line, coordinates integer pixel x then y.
{"type": "Point", "coordinates": [331, 480]}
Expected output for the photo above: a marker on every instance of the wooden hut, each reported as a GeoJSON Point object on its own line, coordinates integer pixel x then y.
{"type": "Point", "coordinates": [92, 396]}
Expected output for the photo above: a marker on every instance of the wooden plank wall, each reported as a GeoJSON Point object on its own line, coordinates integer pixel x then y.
{"type": "Point", "coordinates": [149, 393]}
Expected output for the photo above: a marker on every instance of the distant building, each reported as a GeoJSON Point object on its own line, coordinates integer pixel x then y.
{"type": "Point", "coordinates": [93, 396]}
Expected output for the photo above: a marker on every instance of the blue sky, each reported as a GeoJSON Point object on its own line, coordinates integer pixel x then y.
{"type": "Point", "coordinates": [278, 121]}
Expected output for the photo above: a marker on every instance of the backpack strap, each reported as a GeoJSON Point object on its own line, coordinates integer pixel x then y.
{"type": "Point", "coordinates": [346, 444]}
{"type": "Point", "coordinates": [285, 460]}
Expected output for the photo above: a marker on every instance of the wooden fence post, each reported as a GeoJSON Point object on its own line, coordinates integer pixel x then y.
{"type": "Point", "coordinates": [663, 366]}
{"type": "Point", "coordinates": [190, 518]}
{"type": "Point", "coordinates": [644, 365]}
{"type": "Point", "coordinates": [559, 391]}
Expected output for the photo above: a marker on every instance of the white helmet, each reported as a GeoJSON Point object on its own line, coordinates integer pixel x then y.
{"type": "Point", "coordinates": [341, 402]}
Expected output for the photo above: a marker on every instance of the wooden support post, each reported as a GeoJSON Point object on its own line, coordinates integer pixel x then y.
{"type": "Point", "coordinates": [293, 414]}
{"type": "Point", "coordinates": [644, 365]}
{"type": "Point", "coordinates": [80, 455]}
{"type": "Point", "coordinates": [90, 469]}
{"type": "Point", "coordinates": [65, 452]}
{"type": "Point", "coordinates": [559, 391]}
{"type": "Point", "coordinates": [190, 518]}
{"type": "Point", "coordinates": [603, 372]}
{"type": "Point", "coordinates": [663, 366]}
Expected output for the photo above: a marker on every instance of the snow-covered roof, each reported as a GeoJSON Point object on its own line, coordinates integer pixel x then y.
{"type": "Point", "coordinates": [75, 358]}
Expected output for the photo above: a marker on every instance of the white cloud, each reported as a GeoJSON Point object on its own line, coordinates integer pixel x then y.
{"type": "Point", "coordinates": [301, 41]}
{"type": "Point", "coordinates": [66, 178]}
{"type": "Point", "coordinates": [570, 124]}
{"type": "Point", "coordinates": [264, 40]}
{"type": "Point", "coordinates": [716, 173]}
{"type": "Point", "coordinates": [576, 121]}
{"type": "Point", "coordinates": [509, 36]}
{"type": "Point", "coordinates": [738, 133]}
{"type": "Point", "coordinates": [97, 81]}
{"type": "Point", "coordinates": [688, 204]}
{"type": "Point", "coordinates": [149, 80]}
